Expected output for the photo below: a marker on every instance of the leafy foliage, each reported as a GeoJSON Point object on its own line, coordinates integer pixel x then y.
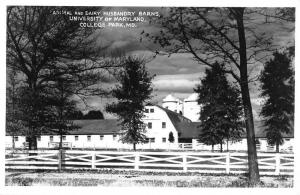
{"type": "Point", "coordinates": [278, 90]}
{"type": "Point", "coordinates": [171, 138]}
{"type": "Point", "coordinates": [132, 93]}
{"type": "Point", "coordinates": [94, 114]}
{"type": "Point", "coordinates": [222, 108]}
{"type": "Point", "coordinates": [78, 115]}
{"type": "Point", "coordinates": [44, 47]}
{"type": "Point", "coordinates": [14, 125]}
{"type": "Point", "coordinates": [75, 115]}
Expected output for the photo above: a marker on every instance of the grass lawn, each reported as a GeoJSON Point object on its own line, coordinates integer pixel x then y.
{"type": "Point", "coordinates": [117, 178]}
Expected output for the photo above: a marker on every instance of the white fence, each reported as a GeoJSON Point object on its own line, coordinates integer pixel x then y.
{"type": "Point", "coordinates": [259, 148]}
{"type": "Point", "coordinates": [269, 163]}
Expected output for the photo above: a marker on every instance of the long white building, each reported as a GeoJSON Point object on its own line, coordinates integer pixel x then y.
{"type": "Point", "coordinates": [160, 122]}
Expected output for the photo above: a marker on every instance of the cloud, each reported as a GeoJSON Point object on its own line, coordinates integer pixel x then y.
{"type": "Point", "coordinates": [182, 63]}
{"type": "Point", "coordinates": [180, 83]}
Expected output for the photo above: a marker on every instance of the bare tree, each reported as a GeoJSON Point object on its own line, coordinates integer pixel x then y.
{"type": "Point", "coordinates": [227, 35]}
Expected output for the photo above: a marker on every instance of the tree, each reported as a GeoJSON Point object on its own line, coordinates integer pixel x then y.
{"type": "Point", "coordinates": [221, 112]}
{"type": "Point", "coordinates": [60, 96]}
{"type": "Point", "coordinates": [75, 115]}
{"type": "Point", "coordinates": [278, 91]}
{"type": "Point", "coordinates": [132, 93]}
{"type": "Point", "coordinates": [94, 114]}
{"type": "Point", "coordinates": [171, 137]}
{"type": "Point", "coordinates": [228, 35]}
{"type": "Point", "coordinates": [38, 43]}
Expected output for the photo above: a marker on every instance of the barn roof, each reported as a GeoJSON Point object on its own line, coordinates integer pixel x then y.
{"type": "Point", "coordinates": [96, 127]}
{"type": "Point", "coordinates": [189, 130]}
{"type": "Point", "coordinates": [175, 118]}
{"type": "Point", "coordinates": [192, 130]}
{"type": "Point", "coordinates": [91, 127]}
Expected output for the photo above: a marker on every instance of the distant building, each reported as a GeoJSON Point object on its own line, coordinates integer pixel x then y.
{"type": "Point", "coordinates": [172, 103]}
{"type": "Point", "coordinates": [189, 107]}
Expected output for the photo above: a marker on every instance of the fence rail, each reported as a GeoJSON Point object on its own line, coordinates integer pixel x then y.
{"type": "Point", "coordinates": [208, 162]}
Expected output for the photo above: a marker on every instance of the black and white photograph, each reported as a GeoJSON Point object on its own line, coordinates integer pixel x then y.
{"type": "Point", "coordinates": [149, 96]}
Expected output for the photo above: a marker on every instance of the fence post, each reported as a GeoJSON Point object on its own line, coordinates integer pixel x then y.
{"type": "Point", "coordinates": [93, 160]}
{"type": "Point", "coordinates": [227, 162]}
{"type": "Point", "coordinates": [136, 161]}
{"type": "Point", "coordinates": [277, 164]}
{"type": "Point", "coordinates": [184, 162]}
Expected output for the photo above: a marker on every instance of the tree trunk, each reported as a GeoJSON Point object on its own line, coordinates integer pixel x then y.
{"type": "Point", "coordinates": [277, 147]}
{"type": "Point", "coordinates": [221, 148]}
{"type": "Point", "coordinates": [60, 140]}
{"type": "Point", "coordinates": [212, 147]}
{"type": "Point", "coordinates": [227, 143]}
{"type": "Point", "coordinates": [32, 143]}
{"type": "Point", "coordinates": [13, 142]}
{"type": "Point", "coordinates": [252, 155]}
{"type": "Point", "coordinates": [134, 146]}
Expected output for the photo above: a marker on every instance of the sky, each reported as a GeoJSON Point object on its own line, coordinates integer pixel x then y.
{"type": "Point", "coordinates": [177, 74]}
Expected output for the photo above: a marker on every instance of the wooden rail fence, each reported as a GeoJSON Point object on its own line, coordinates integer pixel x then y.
{"type": "Point", "coordinates": [208, 162]}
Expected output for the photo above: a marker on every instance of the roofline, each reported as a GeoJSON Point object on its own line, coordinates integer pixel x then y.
{"type": "Point", "coordinates": [171, 101]}
{"type": "Point", "coordinates": [70, 134]}
{"type": "Point", "coordinates": [191, 137]}
{"type": "Point", "coordinates": [167, 110]}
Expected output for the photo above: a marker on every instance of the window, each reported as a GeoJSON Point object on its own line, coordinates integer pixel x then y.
{"type": "Point", "coordinates": [147, 110]}
{"type": "Point", "coordinates": [76, 137]}
{"type": "Point", "coordinates": [149, 125]}
{"type": "Point", "coordinates": [164, 140]}
{"type": "Point", "coordinates": [151, 140]}
{"type": "Point", "coordinates": [114, 137]}
{"type": "Point", "coordinates": [88, 138]}
{"type": "Point", "coordinates": [51, 138]}
{"type": "Point", "coordinates": [151, 110]}
{"type": "Point", "coordinates": [163, 124]}
{"type": "Point", "coordinates": [16, 138]}
{"type": "Point", "coordinates": [39, 138]}
{"type": "Point", "coordinates": [64, 138]}
{"type": "Point", "coordinates": [101, 137]}
{"type": "Point", "coordinates": [257, 141]}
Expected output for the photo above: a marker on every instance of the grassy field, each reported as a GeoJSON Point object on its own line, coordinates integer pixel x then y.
{"type": "Point", "coordinates": [136, 179]}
